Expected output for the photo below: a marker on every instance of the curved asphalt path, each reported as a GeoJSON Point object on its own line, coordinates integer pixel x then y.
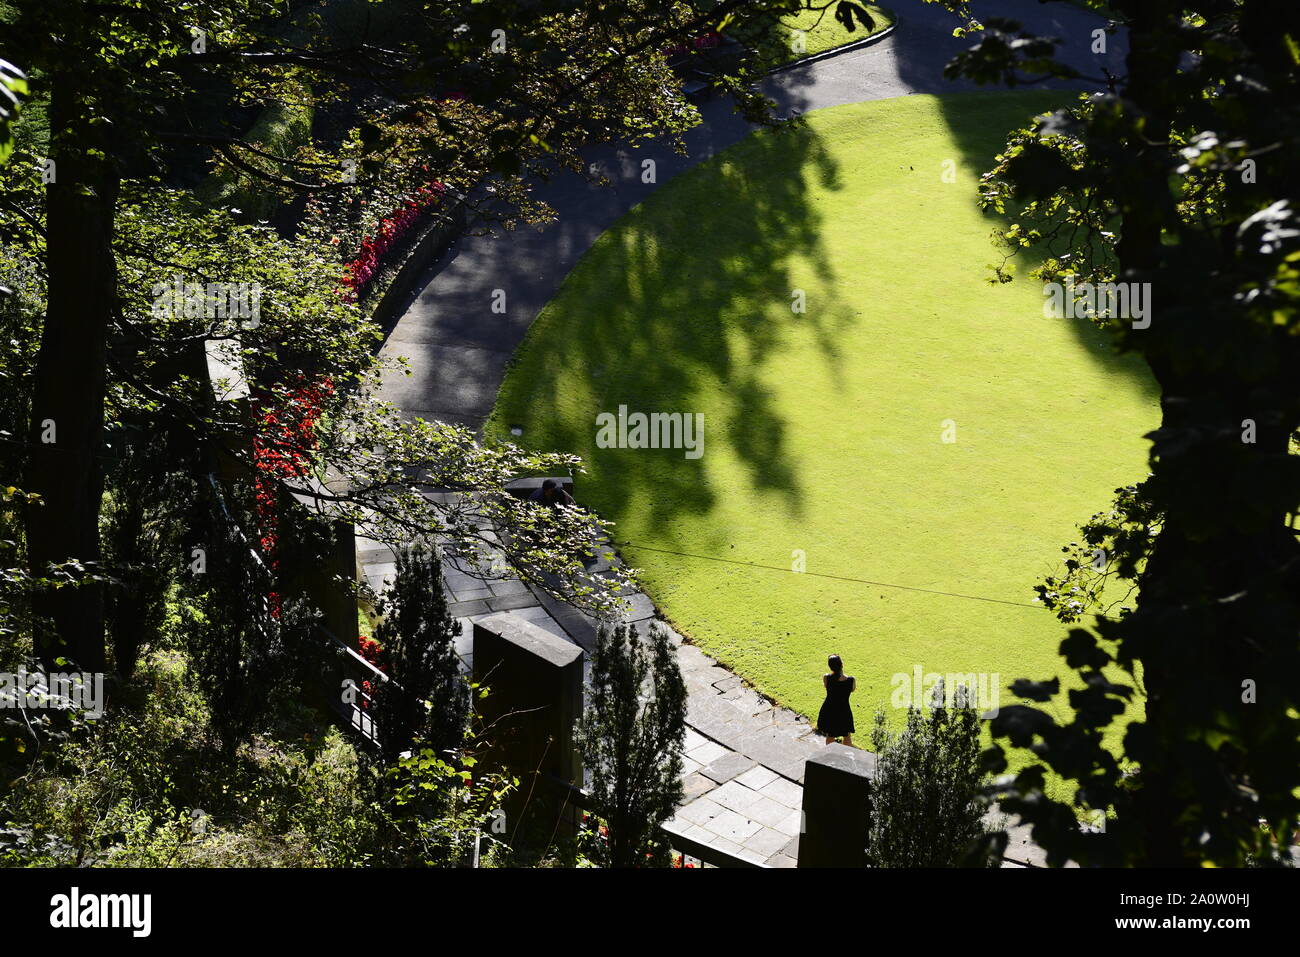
{"type": "Point", "coordinates": [744, 756]}
{"type": "Point", "coordinates": [457, 348]}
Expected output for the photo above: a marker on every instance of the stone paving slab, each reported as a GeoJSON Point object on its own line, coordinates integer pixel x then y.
{"type": "Point", "coordinates": [730, 681]}
{"type": "Point", "coordinates": [747, 700]}
{"type": "Point", "coordinates": [512, 602]}
{"type": "Point", "coordinates": [790, 825]}
{"type": "Point", "coordinates": [467, 609]}
{"type": "Point", "coordinates": [737, 813]}
{"type": "Point", "coordinates": [769, 813]}
{"type": "Point", "coordinates": [783, 792]}
{"type": "Point", "coordinates": [735, 797]}
{"type": "Point", "coordinates": [757, 777]}
{"type": "Point", "coordinates": [512, 587]}
{"type": "Point", "coordinates": [695, 785]}
{"type": "Point", "coordinates": [781, 753]}
{"type": "Point", "coordinates": [700, 811]}
{"type": "Point", "coordinates": [709, 678]}
{"type": "Point", "coordinates": [767, 843]}
{"type": "Point", "coordinates": [693, 739]}
{"type": "Point", "coordinates": [726, 767]}
{"type": "Point", "coordinates": [707, 753]}
{"type": "Point", "coordinates": [732, 826]}
{"type": "Point", "coordinates": [1021, 850]}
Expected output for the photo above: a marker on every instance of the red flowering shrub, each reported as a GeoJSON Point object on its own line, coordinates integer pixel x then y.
{"type": "Point", "coordinates": [371, 650]}
{"type": "Point", "coordinates": [281, 449]}
{"type": "Point", "coordinates": [358, 273]}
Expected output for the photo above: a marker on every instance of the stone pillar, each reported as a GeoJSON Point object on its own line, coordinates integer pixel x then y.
{"type": "Point", "coordinates": [836, 807]}
{"type": "Point", "coordinates": [340, 607]}
{"type": "Point", "coordinates": [535, 682]}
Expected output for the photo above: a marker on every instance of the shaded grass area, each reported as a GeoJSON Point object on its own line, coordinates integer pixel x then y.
{"type": "Point", "coordinates": [281, 129]}
{"type": "Point", "coordinates": [824, 430]}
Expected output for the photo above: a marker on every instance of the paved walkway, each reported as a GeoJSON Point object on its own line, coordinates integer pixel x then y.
{"type": "Point", "coordinates": [744, 755]}
{"type": "Point", "coordinates": [458, 348]}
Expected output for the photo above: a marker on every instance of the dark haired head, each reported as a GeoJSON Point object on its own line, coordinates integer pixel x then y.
{"type": "Point", "coordinates": [548, 484]}
{"type": "Point", "coordinates": [837, 666]}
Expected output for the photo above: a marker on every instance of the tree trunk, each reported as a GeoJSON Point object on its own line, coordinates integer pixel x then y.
{"type": "Point", "coordinates": [1151, 67]}
{"type": "Point", "coordinates": [66, 436]}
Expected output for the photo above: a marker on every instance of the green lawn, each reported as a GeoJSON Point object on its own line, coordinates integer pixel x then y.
{"type": "Point", "coordinates": [822, 32]}
{"type": "Point", "coordinates": [823, 429]}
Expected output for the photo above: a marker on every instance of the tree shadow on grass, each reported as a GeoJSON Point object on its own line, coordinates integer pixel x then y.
{"type": "Point", "coordinates": [685, 299]}
{"type": "Point", "coordinates": [923, 46]}
{"type": "Point", "coordinates": [690, 293]}
{"type": "Point", "coordinates": [978, 123]}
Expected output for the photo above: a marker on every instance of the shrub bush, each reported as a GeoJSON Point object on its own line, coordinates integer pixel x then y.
{"type": "Point", "coordinates": [417, 636]}
{"type": "Point", "coordinates": [630, 737]}
{"type": "Point", "coordinates": [926, 808]}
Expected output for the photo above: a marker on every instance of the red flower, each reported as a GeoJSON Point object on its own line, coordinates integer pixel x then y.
{"type": "Point", "coordinates": [281, 449]}
{"type": "Point", "coordinates": [370, 649]}
{"type": "Point", "coordinates": [358, 273]}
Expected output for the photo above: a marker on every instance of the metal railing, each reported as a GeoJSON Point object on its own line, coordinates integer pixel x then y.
{"type": "Point", "coordinates": [350, 682]}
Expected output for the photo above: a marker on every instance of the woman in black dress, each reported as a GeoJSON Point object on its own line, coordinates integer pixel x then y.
{"type": "Point", "coordinates": [835, 720]}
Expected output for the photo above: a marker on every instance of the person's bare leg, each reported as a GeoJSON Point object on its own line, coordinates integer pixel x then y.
{"type": "Point", "coordinates": [848, 740]}
{"type": "Point", "coordinates": [829, 739]}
